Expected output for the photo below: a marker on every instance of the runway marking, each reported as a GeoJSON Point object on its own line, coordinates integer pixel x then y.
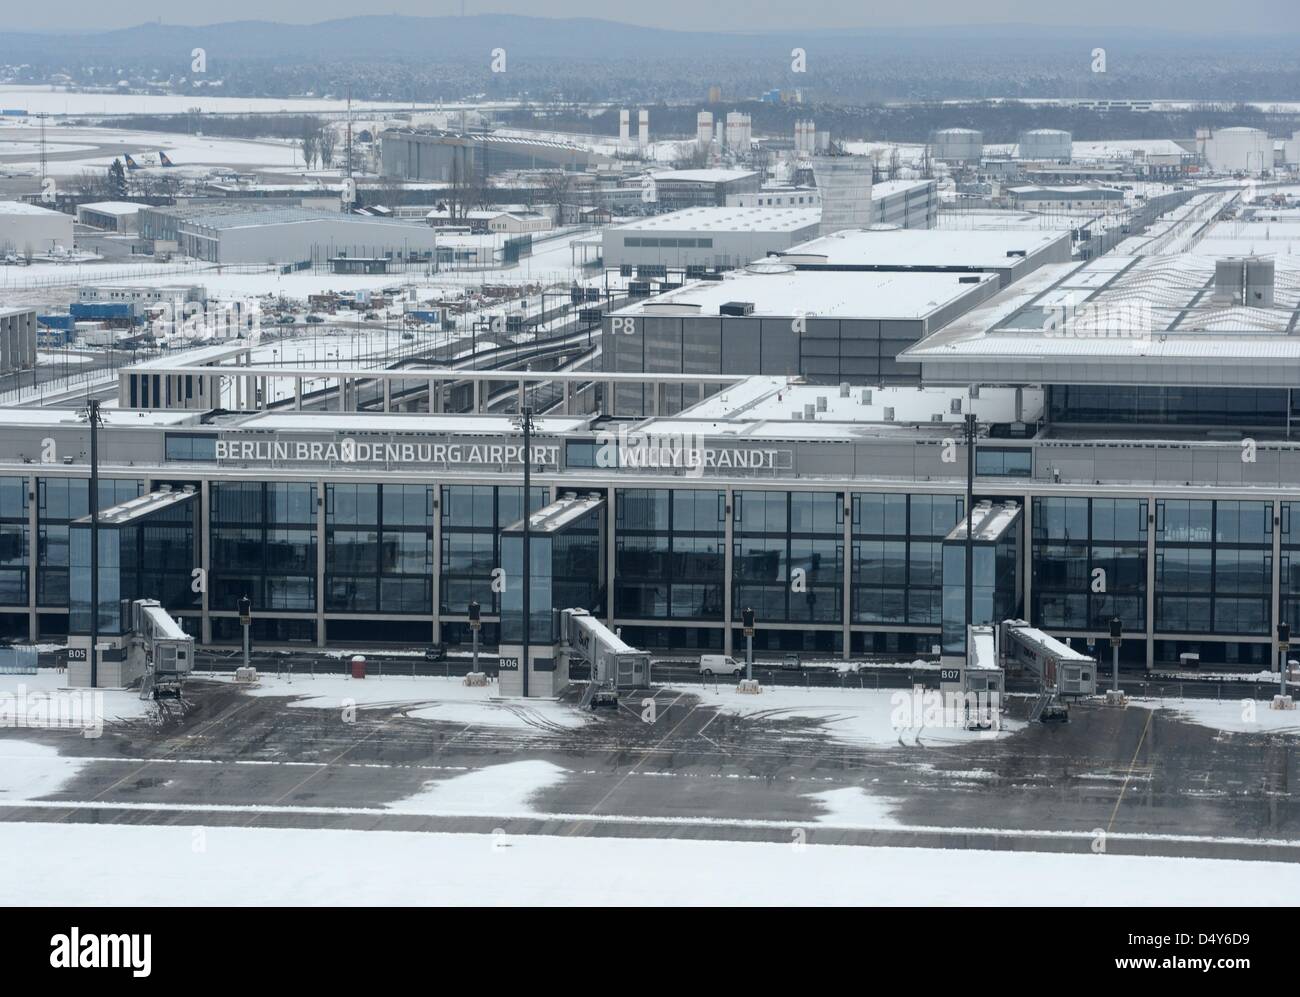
{"type": "Point", "coordinates": [593, 818]}
{"type": "Point", "coordinates": [1128, 776]}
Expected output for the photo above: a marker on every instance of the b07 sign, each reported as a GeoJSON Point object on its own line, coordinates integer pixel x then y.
{"type": "Point", "coordinates": [950, 675]}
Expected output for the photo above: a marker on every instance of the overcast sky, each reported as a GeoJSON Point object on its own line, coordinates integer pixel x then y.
{"type": "Point", "coordinates": [1257, 16]}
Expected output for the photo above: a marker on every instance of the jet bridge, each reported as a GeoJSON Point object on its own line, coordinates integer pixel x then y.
{"type": "Point", "coordinates": [1062, 671]}
{"type": "Point", "coordinates": [615, 666]}
{"type": "Point", "coordinates": [159, 650]}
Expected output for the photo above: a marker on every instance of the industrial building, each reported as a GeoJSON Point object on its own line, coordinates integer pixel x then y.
{"type": "Point", "coordinates": [845, 185]}
{"type": "Point", "coordinates": [905, 203]}
{"type": "Point", "coordinates": [119, 217]}
{"type": "Point", "coordinates": [707, 237]}
{"type": "Point", "coordinates": [1071, 197]}
{"type": "Point", "coordinates": [29, 228]}
{"type": "Point", "coordinates": [1009, 254]}
{"type": "Point", "coordinates": [297, 234]}
{"type": "Point", "coordinates": [677, 189]}
{"type": "Point", "coordinates": [773, 319]}
{"type": "Point", "coordinates": [448, 157]}
{"type": "Point", "coordinates": [17, 339]}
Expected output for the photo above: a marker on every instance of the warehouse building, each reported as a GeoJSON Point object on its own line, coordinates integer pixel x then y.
{"type": "Point", "coordinates": [1077, 197]}
{"type": "Point", "coordinates": [294, 234]}
{"type": "Point", "coordinates": [1009, 254]}
{"type": "Point", "coordinates": [17, 339]}
{"type": "Point", "coordinates": [119, 217]}
{"type": "Point", "coordinates": [673, 190]}
{"type": "Point", "coordinates": [707, 237]}
{"type": "Point", "coordinates": [30, 229]}
{"type": "Point", "coordinates": [447, 157]}
{"type": "Point", "coordinates": [773, 319]}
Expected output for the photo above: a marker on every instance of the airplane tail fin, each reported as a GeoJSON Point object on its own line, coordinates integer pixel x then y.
{"type": "Point", "coordinates": [162, 158]}
{"type": "Point", "coordinates": [131, 164]}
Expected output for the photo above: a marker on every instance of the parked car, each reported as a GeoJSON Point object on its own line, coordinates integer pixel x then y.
{"type": "Point", "coordinates": [791, 662]}
{"type": "Point", "coordinates": [315, 319]}
{"type": "Point", "coordinates": [285, 320]}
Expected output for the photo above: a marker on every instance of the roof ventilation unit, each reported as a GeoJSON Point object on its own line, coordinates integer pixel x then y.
{"type": "Point", "coordinates": [866, 396]}
{"type": "Point", "coordinates": [796, 415]}
{"type": "Point", "coordinates": [937, 417]}
{"type": "Point", "coordinates": [1259, 282]}
{"type": "Point", "coordinates": [736, 308]}
{"type": "Point", "coordinates": [889, 413]}
{"type": "Point", "coordinates": [821, 403]}
{"type": "Point", "coordinates": [810, 411]}
{"type": "Point", "coordinates": [1229, 282]}
{"type": "Point", "coordinates": [844, 389]}
{"type": "Point", "coordinates": [971, 279]}
{"type": "Point", "coordinates": [1016, 252]}
{"type": "Point", "coordinates": [954, 406]}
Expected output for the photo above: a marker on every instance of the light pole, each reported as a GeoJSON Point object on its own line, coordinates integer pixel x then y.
{"type": "Point", "coordinates": [971, 428]}
{"type": "Point", "coordinates": [475, 622]}
{"type": "Point", "coordinates": [246, 620]}
{"type": "Point", "coordinates": [94, 418]}
{"type": "Point", "coordinates": [525, 423]}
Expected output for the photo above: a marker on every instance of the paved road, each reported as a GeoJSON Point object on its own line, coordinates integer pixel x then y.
{"type": "Point", "coordinates": [1154, 784]}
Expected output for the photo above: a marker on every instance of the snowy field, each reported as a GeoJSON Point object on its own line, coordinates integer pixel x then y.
{"type": "Point", "coordinates": [183, 150]}
{"type": "Point", "coordinates": [64, 864]}
{"type": "Point", "coordinates": [54, 100]}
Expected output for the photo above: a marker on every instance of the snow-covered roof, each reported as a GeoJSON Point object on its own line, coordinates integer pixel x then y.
{"type": "Point", "coordinates": [716, 175]}
{"type": "Point", "coordinates": [23, 208]}
{"type": "Point", "coordinates": [114, 207]}
{"type": "Point", "coordinates": [819, 293]}
{"type": "Point", "coordinates": [923, 247]}
{"type": "Point", "coordinates": [734, 219]}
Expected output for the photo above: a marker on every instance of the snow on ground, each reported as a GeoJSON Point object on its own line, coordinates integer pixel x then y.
{"type": "Point", "coordinates": [1236, 716]}
{"type": "Point", "coordinates": [430, 698]}
{"type": "Point", "coordinates": [45, 700]}
{"type": "Point", "coordinates": [54, 100]}
{"type": "Point", "coordinates": [868, 717]}
{"type": "Point", "coordinates": [29, 770]}
{"type": "Point", "coordinates": [855, 807]}
{"type": "Point", "coordinates": [497, 791]}
{"type": "Point", "coordinates": [183, 150]}
{"type": "Point", "coordinates": [63, 864]}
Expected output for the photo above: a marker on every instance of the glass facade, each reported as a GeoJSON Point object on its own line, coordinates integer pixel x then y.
{"type": "Point", "coordinates": [378, 548]}
{"type": "Point", "coordinates": [994, 589]}
{"type": "Point", "coordinates": [1187, 406]}
{"type": "Point", "coordinates": [788, 556]}
{"type": "Point", "coordinates": [1074, 539]}
{"type": "Point", "coordinates": [564, 570]}
{"type": "Point", "coordinates": [670, 552]}
{"type": "Point", "coordinates": [263, 537]}
{"type": "Point", "coordinates": [15, 542]}
{"type": "Point", "coordinates": [473, 520]}
{"type": "Point", "coordinates": [59, 502]}
{"type": "Point", "coordinates": [1214, 566]}
{"type": "Point", "coordinates": [897, 556]}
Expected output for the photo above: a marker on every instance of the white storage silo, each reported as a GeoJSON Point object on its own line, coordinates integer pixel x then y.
{"type": "Point", "coordinates": [957, 145]}
{"type": "Point", "coordinates": [1239, 150]}
{"type": "Point", "coordinates": [1046, 144]}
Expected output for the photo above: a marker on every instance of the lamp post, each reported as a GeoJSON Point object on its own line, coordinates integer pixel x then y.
{"type": "Point", "coordinates": [525, 422]}
{"type": "Point", "coordinates": [94, 418]}
{"type": "Point", "coordinates": [971, 428]}
{"type": "Point", "coordinates": [246, 620]}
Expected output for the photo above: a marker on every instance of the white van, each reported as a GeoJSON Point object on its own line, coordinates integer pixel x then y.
{"type": "Point", "coordinates": [720, 664]}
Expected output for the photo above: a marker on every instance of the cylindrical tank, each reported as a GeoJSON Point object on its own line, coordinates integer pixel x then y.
{"type": "Point", "coordinates": [1259, 282]}
{"type": "Point", "coordinates": [957, 145]}
{"type": "Point", "coordinates": [1239, 150]}
{"type": "Point", "coordinates": [1051, 144]}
